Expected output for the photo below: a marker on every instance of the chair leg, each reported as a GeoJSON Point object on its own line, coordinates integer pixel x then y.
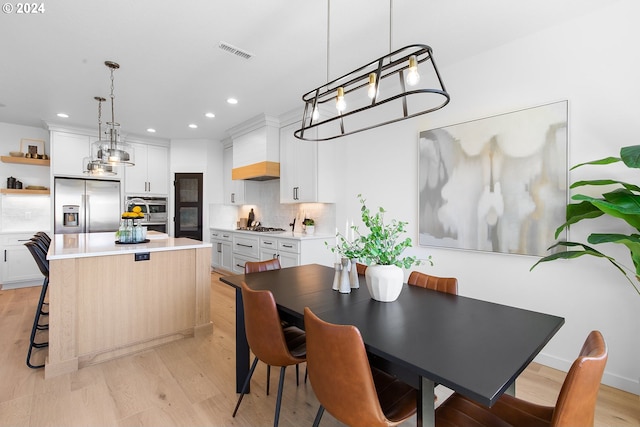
{"type": "Point", "coordinates": [36, 327]}
{"type": "Point", "coordinates": [245, 385]}
{"type": "Point", "coordinates": [279, 399]}
{"type": "Point", "coordinates": [268, 378]}
{"type": "Point", "coordinates": [297, 375]}
{"type": "Point", "coordinates": [306, 373]}
{"type": "Point", "coordinates": [316, 422]}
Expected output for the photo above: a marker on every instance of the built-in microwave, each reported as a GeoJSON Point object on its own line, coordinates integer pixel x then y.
{"type": "Point", "coordinates": [154, 208]}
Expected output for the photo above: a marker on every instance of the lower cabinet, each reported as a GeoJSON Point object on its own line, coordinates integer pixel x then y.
{"type": "Point", "coordinates": [221, 255]}
{"type": "Point", "coordinates": [286, 250]}
{"type": "Point", "coordinates": [246, 247]}
{"type": "Point", "coordinates": [18, 267]}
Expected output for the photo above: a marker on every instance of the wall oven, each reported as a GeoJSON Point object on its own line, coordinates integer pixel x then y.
{"type": "Point", "coordinates": [154, 209]}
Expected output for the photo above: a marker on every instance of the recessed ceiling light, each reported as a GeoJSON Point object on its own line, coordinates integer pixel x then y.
{"type": "Point", "coordinates": [151, 130]}
{"type": "Point", "coordinates": [63, 115]}
{"type": "Point", "coordinates": [210, 115]}
{"type": "Point", "coordinates": [193, 126]}
{"type": "Point", "coordinates": [232, 101]}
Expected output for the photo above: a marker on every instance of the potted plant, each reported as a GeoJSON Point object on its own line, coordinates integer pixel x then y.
{"type": "Point", "coordinates": [309, 225]}
{"type": "Point", "coordinates": [622, 203]}
{"type": "Point", "coordinates": [382, 250]}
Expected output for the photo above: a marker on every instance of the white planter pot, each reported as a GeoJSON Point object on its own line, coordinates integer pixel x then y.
{"type": "Point", "coordinates": [310, 229]}
{"type": "Point", "coordinates": [384, 282]}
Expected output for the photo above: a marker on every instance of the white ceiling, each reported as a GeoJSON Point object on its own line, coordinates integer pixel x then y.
{"type": "Point", "coordinates": [172, 70]}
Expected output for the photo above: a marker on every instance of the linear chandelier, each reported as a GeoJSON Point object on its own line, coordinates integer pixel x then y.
{"type": "Point", "coordinates": [112, 151]}
{"type": "Point", "coordinates": [390, 86]}
{"type": "Point", "coordinates": [357, 94]}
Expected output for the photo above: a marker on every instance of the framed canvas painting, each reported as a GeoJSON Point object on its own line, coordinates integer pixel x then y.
{"type": "Point", "coordinates": [496, 184]}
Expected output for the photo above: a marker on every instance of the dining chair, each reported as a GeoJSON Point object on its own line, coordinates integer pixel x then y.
{"type": "Point", "coordinates": [361, 268]}
{"type": "Point", "coordinates": [575, 405]}
{"type": "Point", "coordinates": [268, 341]}
{"type": "Point", "coordinates": [259, 267]}
{"type": "Point", "coordinates": [346, 385]}
{"type": "Point", "coordinates": [441, 284]}
{"type": "Point", "coordinates": [40, 257]}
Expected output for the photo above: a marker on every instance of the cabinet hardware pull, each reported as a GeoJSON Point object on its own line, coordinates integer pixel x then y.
{"type": "Point", "coordinates": [233, 197]}
{"type": "Point", "coordinates": [238, 265]}
{"type": "Point", "coordinates": [288, 246]}
{"type": "Point", "coordinates": [23, 240]}
{"type": "Point", "coordinates": [268, 243]}
{"type": "Point", "coordinates": [5, 255]}
{"type": "Point", "coordinates": [225, 236]}
{"type": "Point", "coordinates": [246, 246]}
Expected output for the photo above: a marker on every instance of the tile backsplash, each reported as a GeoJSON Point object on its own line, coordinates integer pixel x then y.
{"type": "Point", "coordinates": [265, 202]}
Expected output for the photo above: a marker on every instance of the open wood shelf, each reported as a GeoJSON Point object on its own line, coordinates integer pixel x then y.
{"type": "Point", "coordinates": [25, 161]}
{"type": "Point", "coordinates": [22, 191]}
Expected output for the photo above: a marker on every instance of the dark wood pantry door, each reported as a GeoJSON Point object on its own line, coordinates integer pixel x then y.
{"type": "Point", "coordinates": [188, 205]}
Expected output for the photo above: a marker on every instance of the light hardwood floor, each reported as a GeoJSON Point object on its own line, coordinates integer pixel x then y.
{"type": "Point", "coordinates": [191, 382]}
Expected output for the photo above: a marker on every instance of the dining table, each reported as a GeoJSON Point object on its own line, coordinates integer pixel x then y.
{"type": "Point", "coordinates": [474, 347]}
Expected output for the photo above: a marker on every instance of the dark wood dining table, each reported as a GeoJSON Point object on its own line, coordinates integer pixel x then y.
{"type": "Point", "coordinates": [473, 347]}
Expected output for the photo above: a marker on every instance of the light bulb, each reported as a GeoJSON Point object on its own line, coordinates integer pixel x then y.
{"type": "Point", "coordinates": [412, 75]}
{"type": "Point", "coordinates": [341, 105]}
{"type": "Point", "coordinates": [371, 92]}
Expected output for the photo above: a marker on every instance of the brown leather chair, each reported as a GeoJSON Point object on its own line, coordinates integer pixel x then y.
{"type": "Point", "coordinates": [344, 382]}
{"type": "Point", "coordinates": [575, 405]}
{"type": "Point", "coordinates": [260, 266]}
{"type": "Point", "coordinates": [441, 284]}
{"type": "Point", "coordinates": [361, 268]}
{"type": "Point", "coordinates": [267, 340]}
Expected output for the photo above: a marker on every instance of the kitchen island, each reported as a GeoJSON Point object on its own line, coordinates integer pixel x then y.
{"type": "Point", "coordinates": [107, 300]}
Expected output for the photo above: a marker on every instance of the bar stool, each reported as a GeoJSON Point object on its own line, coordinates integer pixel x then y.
{"type": "Point", "coordinates": [40, 258]}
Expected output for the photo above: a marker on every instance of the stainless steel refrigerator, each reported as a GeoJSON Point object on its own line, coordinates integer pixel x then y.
{"type": "Point", "coordinates": [86, 205]}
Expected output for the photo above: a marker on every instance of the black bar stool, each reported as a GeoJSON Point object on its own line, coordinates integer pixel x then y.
{"type": "Point", "coordinates": [40, 256]}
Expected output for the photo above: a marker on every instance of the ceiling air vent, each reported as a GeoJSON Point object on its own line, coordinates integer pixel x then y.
{"type": "Point", "coordinates": [235, 50]}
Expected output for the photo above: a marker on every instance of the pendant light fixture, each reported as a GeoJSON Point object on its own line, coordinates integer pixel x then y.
{"type": "Point", "coordinates": [112, 151]}
{"type": "Point", "coordinates": [94, 167]}
{"type": "Point", "coordinates": [357, 96]}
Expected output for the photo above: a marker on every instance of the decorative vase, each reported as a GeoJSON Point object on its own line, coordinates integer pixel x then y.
{"type": "Point", "coordinates": [384, 282]}
{"type": "Point", "coordinates": [310, 229]}
{"type": "Point", "coordinates": [345, 286]}
{"type": "Point", "coordinates": [336, 276]}
{"type": "Point", "coordinates": [353, 275]}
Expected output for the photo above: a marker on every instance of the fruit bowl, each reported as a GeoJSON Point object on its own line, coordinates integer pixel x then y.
{"type": "Point", "coordinates": [16, 153]}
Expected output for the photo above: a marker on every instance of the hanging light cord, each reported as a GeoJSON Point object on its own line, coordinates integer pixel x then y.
{"type": "Point", "coordinates": [390, 24]}
{"type": "Point", "coordinates": [328, 34]}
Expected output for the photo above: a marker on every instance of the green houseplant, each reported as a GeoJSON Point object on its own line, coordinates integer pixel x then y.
{"type": "Point", "coordinates": [382, 250]}
{"type": "Point", "coordinates": [622, 203]}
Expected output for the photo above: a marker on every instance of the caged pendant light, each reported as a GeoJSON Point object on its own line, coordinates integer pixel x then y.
{"type": "Point", "coordinates": [357, 98]}
{"type": "Point", "coordinates": [112, 151]}
{"type": "Point", "coordinates": [94, 167]}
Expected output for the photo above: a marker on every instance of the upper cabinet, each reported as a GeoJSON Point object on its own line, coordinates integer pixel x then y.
{"type": "Point", "coordinates": [150, 174]}
{"type": "Point", "coordinates": [68, 151]}
{"type": "Point", "coordinates": [234, 190]}
{"type": "Point", "coordinates": [302, 176]}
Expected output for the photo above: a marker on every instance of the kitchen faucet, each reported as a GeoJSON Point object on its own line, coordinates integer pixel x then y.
{"type": "Point", "coordinates": [293, 225]}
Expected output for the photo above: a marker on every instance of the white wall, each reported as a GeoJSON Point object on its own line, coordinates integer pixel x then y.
{"type": "Point", "coordinates": [198, 156]}
{"type": "Point", "coordinates": [592, 62]}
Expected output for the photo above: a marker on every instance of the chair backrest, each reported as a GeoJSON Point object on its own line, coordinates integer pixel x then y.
{"type": "Point", "coordinates": [40, 256]}
{"type": "Point", "coordinates": [576, 403]}
{"type": "Point", "coordinates": [42, 244]}
{"type": "Point", "coordinates": [361, 268]}
{"type": "Point", "coordinates": [260, 266]}
{"type": "Point", "coordinates": [44, 236]}
{"type": "Point", "coordinates": [441, 284]}
{"type": "Point", "coordinates": [340, 374]}
{"type": "Point", "coordinates": [263, 328]}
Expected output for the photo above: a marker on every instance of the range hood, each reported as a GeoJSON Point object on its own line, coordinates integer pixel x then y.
{"type": "Point", "coordinates": [256, 149]}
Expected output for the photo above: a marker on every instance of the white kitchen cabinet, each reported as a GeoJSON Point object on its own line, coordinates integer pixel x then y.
{"type": "Point", "coordinates": [234, 190]}
{"type": "Point", "coordinates": [287, 251]}
{"type": "Point", "coordinates": [221, 254]}
{"type": "Point", "coordinates": [69, 152]}
{"type": "Point", "coordinates": [150, 174]}
{"type": "Point", "coordinates": [18, 264]}
{"type": "Point", "coordinates": [301, 178]}
{"type": "Point", "coordinates": [246, 247]}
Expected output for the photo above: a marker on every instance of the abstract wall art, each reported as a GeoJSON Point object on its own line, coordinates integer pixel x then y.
{"type": "Point", "coordinates": [495, 184]}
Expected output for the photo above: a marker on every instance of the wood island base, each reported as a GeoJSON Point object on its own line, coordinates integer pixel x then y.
{"type": "Point", "coordinates": [107, 306]}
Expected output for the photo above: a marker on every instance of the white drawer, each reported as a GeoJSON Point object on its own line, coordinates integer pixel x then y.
{"type": "Point", "coordinates": [292, 246]}
{"type": "Point", "coordinates": [238, 262]}
{"type": "Point", "coordinates": [269, 243]}
{"type": "Point", "coordinates": [221, 235]}
{"type": "Point", "coordinates": [15, 239]}
{"type": "Point", "coordinates": [246, 245]}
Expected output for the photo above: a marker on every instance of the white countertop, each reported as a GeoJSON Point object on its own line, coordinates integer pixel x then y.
{"type": "Point", "coordinates": [65, 246]}
{"type": "Point", "coordinates": [279, 234]}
